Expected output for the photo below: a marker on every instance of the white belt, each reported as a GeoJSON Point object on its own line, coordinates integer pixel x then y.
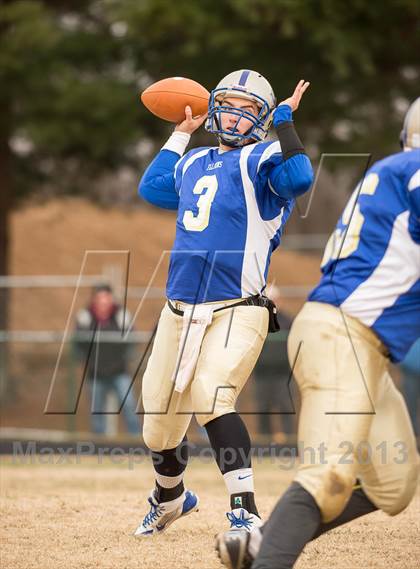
{"type": "Point", "coordinates": [195, 321]}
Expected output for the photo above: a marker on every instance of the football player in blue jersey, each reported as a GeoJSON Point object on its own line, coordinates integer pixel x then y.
{"type": "Point", "coordinates": [233, 201]}
{"type": "Point", "coordinates": [364, 313]}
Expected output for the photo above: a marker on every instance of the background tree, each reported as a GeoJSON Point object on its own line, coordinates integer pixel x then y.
{"type": "Point", "coordinates": [71, 70]}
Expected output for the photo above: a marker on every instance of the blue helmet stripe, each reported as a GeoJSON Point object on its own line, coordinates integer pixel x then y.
{"type": "Point", "coordinates": [244, 77]}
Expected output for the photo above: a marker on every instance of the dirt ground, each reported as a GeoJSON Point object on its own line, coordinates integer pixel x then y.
{"type": "Point", "coordinates": [64, 516]}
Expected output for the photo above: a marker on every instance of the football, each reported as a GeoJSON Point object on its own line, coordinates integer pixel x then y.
{"type": "Point", "coordinates": [168, 98]}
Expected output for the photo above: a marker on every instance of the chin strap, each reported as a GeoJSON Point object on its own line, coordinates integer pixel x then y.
{"type": "Point", "coordinates": [229, 143]}
{"type": "Point", "coordinates": [238, 145]}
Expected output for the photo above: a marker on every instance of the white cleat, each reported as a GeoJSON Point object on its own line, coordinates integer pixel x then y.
{"type": "Point", "coordinates": [238, 548]}
{"type": "Point", "coordinates": [232, 548]}
{"type": "Point", "coordinates": [242, 519]}
{"type": "Point", "coordinates": [163, 514]}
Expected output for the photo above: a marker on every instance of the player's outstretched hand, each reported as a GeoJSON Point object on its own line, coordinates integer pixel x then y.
{"type": "Point", "coordinates": [190, 124]}
{"type": "Point", "coordinates": [294, 100]}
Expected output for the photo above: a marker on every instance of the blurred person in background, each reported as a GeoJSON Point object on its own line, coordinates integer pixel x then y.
{"type": "Point", "coordinates": [272, 390]}
{"type": "Point", "coordinates": [106, 362]}
{"type": "Point", "coordinates": [410, 385]}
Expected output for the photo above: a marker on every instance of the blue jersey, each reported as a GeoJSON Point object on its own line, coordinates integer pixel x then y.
{"type": "Point", "coordinates": [371, 265]}
{"type": "Point", "coordinates": [232, 207]}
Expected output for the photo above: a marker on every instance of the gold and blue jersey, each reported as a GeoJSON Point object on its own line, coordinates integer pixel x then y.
{"type": "Point", "coordinates": [371, 265]}
{"type": "Point", "coordinates": [232, 207]}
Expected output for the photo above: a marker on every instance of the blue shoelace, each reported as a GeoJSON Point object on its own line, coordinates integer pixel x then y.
{"type": "Point", "coordinates": [240, 522]}
{"type": "Point", "coordinates": [154, 514]}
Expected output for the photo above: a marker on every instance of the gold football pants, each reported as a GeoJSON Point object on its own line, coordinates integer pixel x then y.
{"type": "Point", "coordinates": [353, 421]}
{"type": "Point", "coordinates": [229, 351]}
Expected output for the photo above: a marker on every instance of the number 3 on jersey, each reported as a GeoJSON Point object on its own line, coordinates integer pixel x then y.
{"type": "Point", "coordinates": [200, 221]}
{"type": "Point", "coordinates": [352, 221]}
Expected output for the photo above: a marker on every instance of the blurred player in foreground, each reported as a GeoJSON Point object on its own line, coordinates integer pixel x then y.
{"type": "Point", "coordinates": [364, 313]}
{"type": "Point", "coordinates": [233, 201]}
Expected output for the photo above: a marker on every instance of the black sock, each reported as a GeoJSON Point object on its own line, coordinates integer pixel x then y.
{"type": "Point", "coordinates": [244, 500]}
{"type": "Point", "coordinates": [167, 494]}
{"type": "Point", "coordinates": [293, 522]}
{"type": "Point", "coordinates": [171, 462]}
{"type": "Point", "coordinates": [231, 444]}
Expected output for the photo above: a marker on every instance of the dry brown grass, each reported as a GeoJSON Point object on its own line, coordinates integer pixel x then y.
{"type": "Point", "coordinates": [83, 516]}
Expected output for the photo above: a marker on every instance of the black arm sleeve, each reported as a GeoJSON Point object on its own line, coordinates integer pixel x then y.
{"type": "Point", "coordinates": [289, 140]}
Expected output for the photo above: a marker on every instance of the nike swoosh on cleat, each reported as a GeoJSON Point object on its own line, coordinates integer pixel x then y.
{"type": "Point", "coordinates": [243, 477]}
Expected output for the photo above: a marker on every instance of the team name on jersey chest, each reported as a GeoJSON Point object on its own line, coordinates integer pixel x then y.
{"type": "Point", "coordinates": [214, 165]}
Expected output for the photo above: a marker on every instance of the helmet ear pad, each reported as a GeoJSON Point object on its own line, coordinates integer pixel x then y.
{"type": "Point", "coordinates": [402, 139]}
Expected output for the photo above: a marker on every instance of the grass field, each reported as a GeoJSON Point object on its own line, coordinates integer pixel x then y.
{"type": "Point", "coordinates": [63, 516]}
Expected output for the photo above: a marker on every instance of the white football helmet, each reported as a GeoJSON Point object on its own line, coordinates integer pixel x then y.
{"type": "Point", "coordinates": [410, 134]}
{"type": "Point", "coordinates": [248, 85]}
